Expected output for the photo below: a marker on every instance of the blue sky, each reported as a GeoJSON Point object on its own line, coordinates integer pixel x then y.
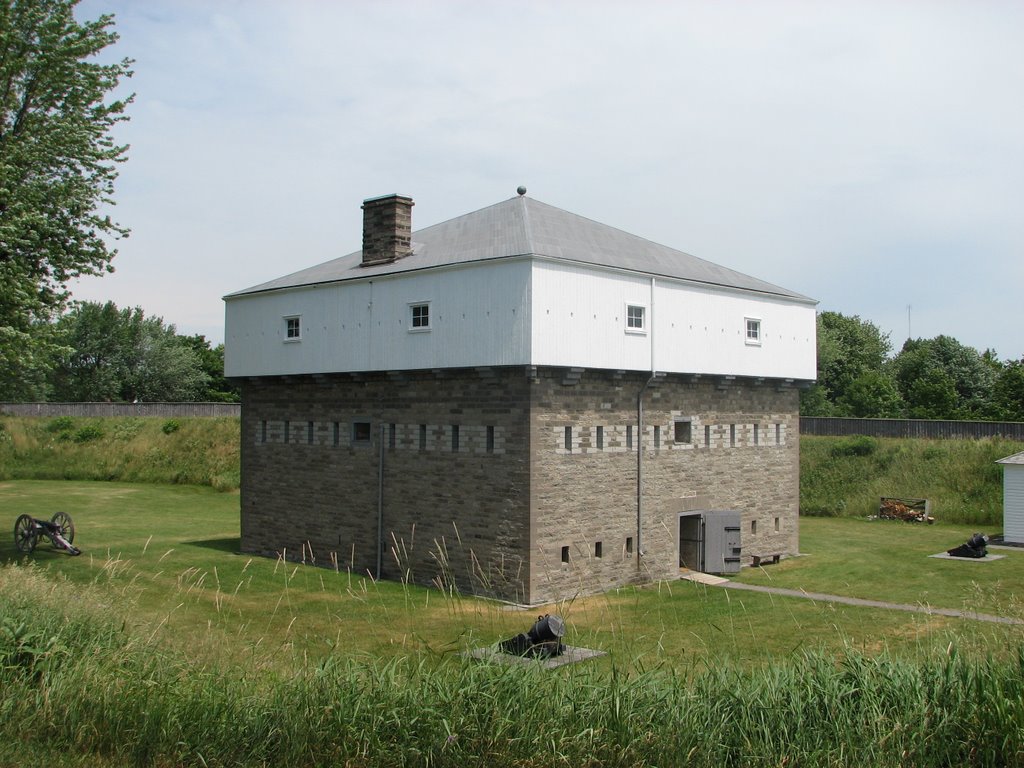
{"type": "Point", "coordinates": [867, 154]}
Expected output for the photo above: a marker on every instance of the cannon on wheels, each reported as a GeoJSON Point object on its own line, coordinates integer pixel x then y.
{"type": "Point", "coordinates": [59, 529]}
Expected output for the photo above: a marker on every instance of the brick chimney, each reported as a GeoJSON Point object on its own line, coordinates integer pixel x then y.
{"type": "Point", "coordinates": [387, 229]}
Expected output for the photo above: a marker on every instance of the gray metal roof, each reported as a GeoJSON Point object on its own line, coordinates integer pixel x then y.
{"type": "Point", "coordinates": [1017, 458]}
{"type": "Point", "coordinates": [522, 226]}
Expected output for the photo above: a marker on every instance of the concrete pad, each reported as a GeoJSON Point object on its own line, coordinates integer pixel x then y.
{"type": "Point", "coordinates": [985, 559]}
{"type": "Point", "coordinates": [571, 655]}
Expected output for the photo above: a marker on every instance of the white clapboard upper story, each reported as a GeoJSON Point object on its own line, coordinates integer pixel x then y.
{"type": "Point", "coordinates": [517, 283]}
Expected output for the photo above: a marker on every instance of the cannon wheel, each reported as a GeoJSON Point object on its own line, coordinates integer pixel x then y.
{"type": "Point", "coordinates": [25, 534]}
{"type": "Point", "coordinates": [67, 528]}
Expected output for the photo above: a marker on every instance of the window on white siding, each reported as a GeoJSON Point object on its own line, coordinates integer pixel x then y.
{"type": "Point", "coordinates": [293, 328]}
{"type": "Point", "coordinates": [636, 318]}
{"type": "Point", "coordinates": [419, 316]}
{"type": "Point", "coordinates": [753, 332]}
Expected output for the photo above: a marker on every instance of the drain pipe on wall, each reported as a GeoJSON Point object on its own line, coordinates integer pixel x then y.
{"type": "Point", "coordinates": [380, 501]}
{"type": "Point", "coordinates": [640, 440]}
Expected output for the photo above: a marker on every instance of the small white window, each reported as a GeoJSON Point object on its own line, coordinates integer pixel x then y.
{"type": "Point", "coordinates": [753, 333]}
{"type": "Point", "coordinates": [292, 328]}
{"type": "Point", "coordinates": [636, 321]}
{"type": "Point", "coordinates": [419, 317]}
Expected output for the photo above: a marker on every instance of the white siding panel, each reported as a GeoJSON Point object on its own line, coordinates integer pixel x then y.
{"type": "Point", "coordinates": [478, 317]}
{"type": "Point", "coordinates": [701, 330]}
{"type": "Point", "coordinates": [579, 320]}
{"type": "Point", "coordinates": [1013, 503]}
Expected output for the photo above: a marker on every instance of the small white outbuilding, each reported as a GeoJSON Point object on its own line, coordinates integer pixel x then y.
{"type": "Point", "coordinates": [1013, 498]}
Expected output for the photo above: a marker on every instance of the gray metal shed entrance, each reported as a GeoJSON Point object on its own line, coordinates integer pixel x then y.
{"type": "Point", "coordinates": [709, 541]}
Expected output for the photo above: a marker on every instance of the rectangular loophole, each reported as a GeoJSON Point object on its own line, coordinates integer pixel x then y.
{"type": "Point", "coordinates": [565, 555]}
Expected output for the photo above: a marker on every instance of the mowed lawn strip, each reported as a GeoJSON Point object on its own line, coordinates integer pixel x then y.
{"type": "Point", "coordinates": [891, 560]}
{"type": "Point", "coordinates": [171, 552]}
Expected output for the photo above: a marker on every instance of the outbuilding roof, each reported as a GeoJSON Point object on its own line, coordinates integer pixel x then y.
{"type": "Point", "coordinates": [1017, 458]}
{"type": "Point", "coordinates": [522, 226]}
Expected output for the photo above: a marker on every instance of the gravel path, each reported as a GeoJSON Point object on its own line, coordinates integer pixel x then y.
{"type": "Point", "coordinates": [818, 597]}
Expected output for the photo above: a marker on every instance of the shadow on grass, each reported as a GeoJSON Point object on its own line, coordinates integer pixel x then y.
{"type": "Point", "coordinates": [231, 544]}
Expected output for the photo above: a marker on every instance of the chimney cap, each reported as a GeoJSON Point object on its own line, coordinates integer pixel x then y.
{"type": "Point", "coordinates": [392, 196]}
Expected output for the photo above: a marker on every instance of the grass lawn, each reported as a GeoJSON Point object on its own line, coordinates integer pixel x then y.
{"type": "Point", "coordinates": [169, 556]}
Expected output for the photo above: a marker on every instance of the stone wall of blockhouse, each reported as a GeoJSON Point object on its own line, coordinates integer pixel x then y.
{"type": "Point", "coordinates": [518, 483]}
{"type": "Point", "coordinates": [738, 450]}
{"type": "Point", "coordinates": [456, 475]}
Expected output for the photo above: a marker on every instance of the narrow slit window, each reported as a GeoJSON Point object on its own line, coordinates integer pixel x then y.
{"type": "Point", "coordinates": [263, 431]}
{"type": "Point", "coordinates": [309, 432]}
{"type": "Point", "coordinates": [455, 438]}
{"type": "Point", "coordinates": [757, 434]}
{"type": "Point", "coordinates": [629, 545]}
{"type": "Point", "coordinates": [490, 439]}
{"type": "Point", "coordinates": [565, 555]}
{"type": "Point", "coordinates": [707, 435]}
{"type": "Point", "coordinates": [568, 439]}
{"type": "Point", "coordinates": [598, 549]}
{"type": "Point", "coordinates": [629, 436]}
{"type": "Point", "coordinates": [657, 437]}
{"type": "Point", "coordinates": [391, 436]}
{"type": "Point", "coordinates": [423, 437]}
{"type": "Point", "coordinates": [778, 434]}
{"type": "Point", "coordinates": [600, 438]}
{"type": "Point", "coordinates": [732, 435]}
{"type": "Point", "coordinates": [337, 433]}
{"type": "Point", "coordinates": [287, 430]}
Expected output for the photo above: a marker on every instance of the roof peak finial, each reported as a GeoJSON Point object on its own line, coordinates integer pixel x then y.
{"type": "Point", "coordinates": [521, 190]}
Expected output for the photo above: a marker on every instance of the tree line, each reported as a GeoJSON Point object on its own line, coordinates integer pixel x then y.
{"type": "Point", "coordinates": [101, 353]}
{"type": "Point", "coordinates": [939, 378]}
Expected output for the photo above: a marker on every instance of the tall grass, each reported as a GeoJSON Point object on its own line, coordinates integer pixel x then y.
{"type": "Point", "coordinates": [848, 476]}
{"type": "Point", "coordinates": [77, 678]}
{"type": "Point", "coordinates": [196, 451]}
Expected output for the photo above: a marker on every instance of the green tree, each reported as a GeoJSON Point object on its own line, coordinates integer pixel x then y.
{"type": "Point", "coordinates": [219, 389]}
{"type": "Point", "coordinates": [873, 394]}
{"type": "Point", "coordinates": [962, 391]}
{"type": "Point", "coordinates": [1008, 392]}
{"type": "Point", "coordinates": [848, 350]}
{"type": "Point", "coordinates": [58, 163]}
{"type": "Point", "coordinates": [120, 354]}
